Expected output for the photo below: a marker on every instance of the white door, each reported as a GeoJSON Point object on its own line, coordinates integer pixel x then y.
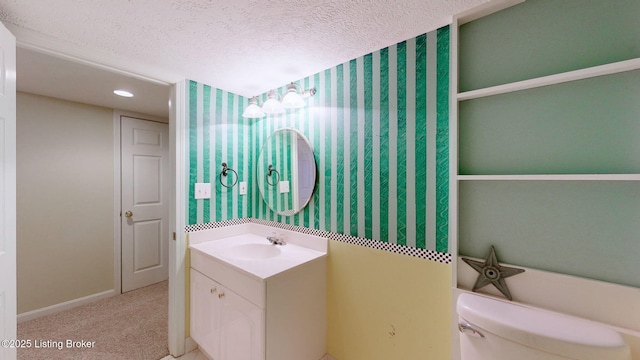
{"type": "Point", "coordinates": [145, 202]}
{"type": "Point", "coordinates": [8, 290]}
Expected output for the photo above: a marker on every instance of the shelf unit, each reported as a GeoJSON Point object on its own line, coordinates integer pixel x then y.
{"type": "Point", "coordinates": [587, 73]}
{"type": "Point", "coordinates": [552, 177]}
{"type": "Point", "coordinates": [591, 189]}
{"type": "Point", "coordinates": [540, 177]}
{"type": "Point", "coordinates": [582, 74]}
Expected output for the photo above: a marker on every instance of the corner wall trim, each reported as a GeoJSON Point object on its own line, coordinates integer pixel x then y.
{"type": "Point", "coordinates": [53, 309]}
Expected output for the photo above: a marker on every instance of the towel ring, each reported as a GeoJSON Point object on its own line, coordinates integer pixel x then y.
{"type": "Point", "coordinates": [271, 171]}
{"type": "Point", "coordinates": [224, 173]}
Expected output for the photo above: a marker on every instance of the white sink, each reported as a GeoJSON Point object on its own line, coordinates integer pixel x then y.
{"type": "Point", "coordinates": [254, 254]}
{"type": "Point", "coordinates": [253, 251]}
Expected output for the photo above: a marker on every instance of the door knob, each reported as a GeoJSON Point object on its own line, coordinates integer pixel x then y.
{"type": "Point", "coordinates": [128, 214]}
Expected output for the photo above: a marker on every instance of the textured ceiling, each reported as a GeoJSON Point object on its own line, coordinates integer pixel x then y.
{"type": "Point", "coordinates": [242, 46]}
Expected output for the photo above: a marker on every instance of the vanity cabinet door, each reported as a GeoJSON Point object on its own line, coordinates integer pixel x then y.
{"type": "Point", "coordinates": [205, 313]}
{"type": "Point", "coordinates": [225, 325]}
{"type": "Point", "coordinates": [242, 327]}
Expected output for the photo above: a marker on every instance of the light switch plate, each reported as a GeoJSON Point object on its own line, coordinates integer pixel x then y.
{"type": "Point", "coordinates": [243, 188]}
{"type": "Point", "coordinates": [202, 191]}
{"type": "Point", "coordinates": [284, 186]}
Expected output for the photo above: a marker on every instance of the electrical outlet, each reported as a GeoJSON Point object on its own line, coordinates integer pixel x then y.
{"type": "Point", "coordinates": [202, 191]}
{"type": "Point", "coordinates": [243, 188]}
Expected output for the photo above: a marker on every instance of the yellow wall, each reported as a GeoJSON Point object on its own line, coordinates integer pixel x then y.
{"type": "Point", "coordinates": [377, 311]}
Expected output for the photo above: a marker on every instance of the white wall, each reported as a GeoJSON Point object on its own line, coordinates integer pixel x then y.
{"type": "Point", "coordinates": [65, 201]}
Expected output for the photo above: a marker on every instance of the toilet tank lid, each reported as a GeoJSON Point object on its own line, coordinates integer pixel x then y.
{"type": "Point", "coordinates": [556, 333]}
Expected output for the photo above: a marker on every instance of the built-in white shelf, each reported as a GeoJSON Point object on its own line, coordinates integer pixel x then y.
{"type": "Point", "coordinates": [608, 69]}
{"type": "Point", "coordinates": [554, 177]}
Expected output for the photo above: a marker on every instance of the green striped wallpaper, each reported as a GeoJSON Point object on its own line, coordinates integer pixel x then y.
{"type": "Point", "coordinates": [217, 133]}
{"type": "Point", "coordinates": [379, 129]}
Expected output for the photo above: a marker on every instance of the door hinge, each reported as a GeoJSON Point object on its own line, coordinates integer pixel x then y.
{"type": "Point", "coordinates": [174, 235]}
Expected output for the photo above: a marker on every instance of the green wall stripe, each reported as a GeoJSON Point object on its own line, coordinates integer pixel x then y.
{"type": "Point", "coordinates": [392, 173]}
{"type": "Point", "coordinates": [385, 166]}
{"type": "Point", "coordinates": [265, 136]}
{"type": "Point", "coordinates": [236, 149]}
{"type": "Point", "coordinates": [306, 125]}
{"type": "Point", "coordinates": [346, 71]}
{"type": "Point", "coordinates": [217, 152]}
{"type": "Point", "coordinates": [221, 130]}
{"type": "Point", "coordinates": [402, 142]}
{"type": "Point", "coordinates": [316, 120]}
{"type": "Point", "coordinates": [421, 141]}
{"type": "Point", "coordinates": [442, 152]}
{"type": "Point", "coordinates": [251, 196]}
{"type": "Point", "coordinates": [199, 151]}
{"type": "Point", "coordinates": [329, 172]}
{"type": "Point", "coordinates": [358, 167]}
{"type": "Point", "coordinates": [362, 188]}
{"type": "Point", "coordinates": [239, 156]}
{"type": "Point", "coordinates": [431, 101]}
{"type": "Point", "coordinates": [353, 135]}
{"type": "Point", "coordinates": [193, 155]}
{"type": "Point", "coordinates": [228, 151]}
{"type": "Point", "coordinates": [216, 155]}
{"type": "Point", "coordinates": [325, 175]}
{"type": "Point", "coordinates": [410, 131]}
{"type": "Point", "coordinates": [339, 153]}
{"type": "Point", "coordinates": [375, 147]}
{"type": "Point", "coordinates": [333, 133]}
{"type": "Point", "coordinates": [206, 158]}
{"type": "Point", "coordinates": [368, 144]}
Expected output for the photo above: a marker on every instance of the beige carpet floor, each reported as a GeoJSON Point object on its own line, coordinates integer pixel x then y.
{"type": "Point", "coordinates": [127, 326]}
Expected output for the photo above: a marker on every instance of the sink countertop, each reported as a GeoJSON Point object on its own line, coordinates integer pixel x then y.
{"type": "Point", "coordinates": [290, 256]}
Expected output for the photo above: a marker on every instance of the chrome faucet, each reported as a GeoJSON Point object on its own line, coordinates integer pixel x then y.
{"type": "Point", "coordinates": [275, 240]}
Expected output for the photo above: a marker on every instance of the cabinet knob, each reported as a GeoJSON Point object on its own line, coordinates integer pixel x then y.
{"type": "Point", "coordinates": [220, 296]}
{"type": "Point", "coordinates": [213, 290]}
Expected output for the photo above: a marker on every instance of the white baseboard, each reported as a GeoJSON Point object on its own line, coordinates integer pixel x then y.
{"type": "Point", "coordinates": [49, 310]}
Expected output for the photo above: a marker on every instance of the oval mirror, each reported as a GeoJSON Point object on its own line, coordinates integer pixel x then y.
{"type": "Point", "coordinates": [286, 171]}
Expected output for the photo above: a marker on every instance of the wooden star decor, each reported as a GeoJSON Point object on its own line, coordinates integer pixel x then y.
{"type": "Point", "coordinates": [490, 272]}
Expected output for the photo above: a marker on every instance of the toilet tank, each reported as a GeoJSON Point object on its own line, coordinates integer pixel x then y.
{"type": "Point", "coordinates": [498, 330]}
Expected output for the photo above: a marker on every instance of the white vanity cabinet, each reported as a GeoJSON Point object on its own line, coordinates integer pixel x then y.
{"type": "Point", "coordinates": [238, 315]}
{"type": "Point", "coordinates": [224, 324]}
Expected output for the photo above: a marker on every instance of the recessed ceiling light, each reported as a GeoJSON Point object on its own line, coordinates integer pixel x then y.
{"type": "Point", "coordinates": [124, 93]}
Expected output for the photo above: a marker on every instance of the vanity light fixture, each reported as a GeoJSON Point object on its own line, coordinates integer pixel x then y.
{"type": "Point", "coordinates": [253, 110]}
{"type": "Point", "coordinates": [123, 93]}
{"type": "Point", "coordinates": [272, 106]}
{"type": "Point", "coordinates": [292, 100]}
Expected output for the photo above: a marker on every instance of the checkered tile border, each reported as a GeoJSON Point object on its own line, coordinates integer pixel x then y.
{"type": "Point", "coordinates": [380, 245]}
{"type": "Point", "coordinates": [215, 225]}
